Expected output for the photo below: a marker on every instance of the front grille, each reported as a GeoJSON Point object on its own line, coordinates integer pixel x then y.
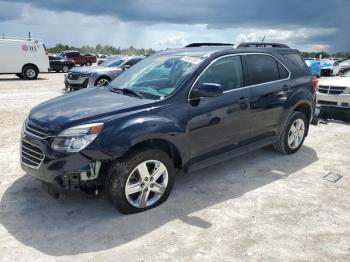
{"type": "Point", "coordinates": [31, 155]}
{"type": "Point", "coordinates": [331, 90]}
{"type": "Point", "coordinates": [35, 131]}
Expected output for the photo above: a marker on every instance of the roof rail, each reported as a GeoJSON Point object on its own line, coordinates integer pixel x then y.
{"type": "Point", "coordinates": [261, 44]}
{"type": "Point", "coordinates": [20, 38]}
{"type": "Point", "coordinates": [208, 44]}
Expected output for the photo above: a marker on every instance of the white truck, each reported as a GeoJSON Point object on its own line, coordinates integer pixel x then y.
{"type": "Point", "coordinates": [25, 57]}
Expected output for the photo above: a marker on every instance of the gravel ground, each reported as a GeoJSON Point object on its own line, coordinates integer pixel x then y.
{"type": "Point", "coordinates": [260, 207]}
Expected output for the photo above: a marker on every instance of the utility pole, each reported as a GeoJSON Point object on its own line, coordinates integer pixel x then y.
{"type": "Point", "coordinates": [262, 41]}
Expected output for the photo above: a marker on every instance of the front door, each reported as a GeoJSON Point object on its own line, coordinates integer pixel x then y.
{"type": "Point", "coordinates": [218, 124]}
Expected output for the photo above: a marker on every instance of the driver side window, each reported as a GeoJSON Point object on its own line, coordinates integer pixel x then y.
{"type": "Point", "coordinates": [226, 71]}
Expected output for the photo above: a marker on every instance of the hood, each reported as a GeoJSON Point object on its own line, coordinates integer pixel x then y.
{"type": "Point", "coordinates": [334, 81]}
{"type": "Point", "coordinates": [94, 69]}
{"type": "Point", "coordinates": [85, 106]}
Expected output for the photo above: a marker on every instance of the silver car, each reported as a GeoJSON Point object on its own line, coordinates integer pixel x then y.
{"type": "Point", "coordinates": [84, 77]}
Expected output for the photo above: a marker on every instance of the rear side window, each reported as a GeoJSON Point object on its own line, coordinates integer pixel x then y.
{"type": "Point", "coordinates": [297, 60]}
{"type": "Point", "coordinates": [262, 69]}
{"type": "Point", "coordinates": [226, 71]}
{"type": "Point", "coordinates": [283, 71]}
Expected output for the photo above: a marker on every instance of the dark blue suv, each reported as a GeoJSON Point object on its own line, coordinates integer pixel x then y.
{"type": "Point", "coordinates": [178, 109]}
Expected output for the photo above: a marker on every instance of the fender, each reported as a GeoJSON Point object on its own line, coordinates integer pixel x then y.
{"type": "Point", "coordinates": [123, 136]}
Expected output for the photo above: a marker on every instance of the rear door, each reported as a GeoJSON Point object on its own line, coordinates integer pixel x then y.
{"type": "Point", "coordinates": [219, 124]}
{"type": "Point", "coordinates": [270, 84]}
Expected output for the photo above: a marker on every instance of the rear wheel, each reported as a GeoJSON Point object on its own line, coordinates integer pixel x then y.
{"type": "Point", "coordinates": [30, 72]}
{"type": "Point", "coordinates": [293, 134]}
{"type": "Point", "coordinates": [88, 63]}
{"type": "Point", "coordinates": [65, 69]}
{"type": "Point", "coordinates": [140, 181]}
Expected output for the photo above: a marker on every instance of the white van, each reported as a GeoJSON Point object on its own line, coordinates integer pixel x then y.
{"type": "Point", "coordinates": [24, 57]}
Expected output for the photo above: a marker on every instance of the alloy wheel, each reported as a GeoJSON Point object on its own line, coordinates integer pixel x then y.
{"type": "Point", "coordinates": [146, 183]}
{"type": "Point", "coordinates": [65, 69]}
{"type": "Point", "coordinates": [296, 134]}
{"type": "Point", "coordinates": [102, 82]}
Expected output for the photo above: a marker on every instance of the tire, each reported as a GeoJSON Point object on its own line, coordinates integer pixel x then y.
{"type": "Point", "coordinates": [65, 69]}
{"type": "Point", "coordinates": [285, 147]}
{"type": "Point", "coordinates": [315, 120]}
{"type": "Point", "coordinates": [88, 63]}
{"type": "Point", "coordinates": [20, 76]}
{"type": "Point", "coordinates": [102, 81]}
{"type": "Point", "coordinates": [123, 176]}
{"type": "Point", "coordinates": [30, 72]}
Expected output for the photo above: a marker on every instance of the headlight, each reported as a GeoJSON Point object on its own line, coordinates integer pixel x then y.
{"type": "Point", "coordinates": [76, 138]}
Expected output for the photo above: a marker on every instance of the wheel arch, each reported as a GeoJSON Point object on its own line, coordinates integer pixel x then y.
{"type": "Point", "coordinates": [305, 107]}
{"type": "Point", "coordinates": [162, 144]}
{"type": "Point", "coordinates": [30, 64]}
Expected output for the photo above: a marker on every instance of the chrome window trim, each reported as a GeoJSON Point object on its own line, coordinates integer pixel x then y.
{"type": "Point", "coordinates": [243, 87]}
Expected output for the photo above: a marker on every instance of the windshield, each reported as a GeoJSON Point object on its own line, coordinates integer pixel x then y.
{"type": "Point", "coordinates": [157, 77]}
{"type": "Point", "coordinates": [112, 62]}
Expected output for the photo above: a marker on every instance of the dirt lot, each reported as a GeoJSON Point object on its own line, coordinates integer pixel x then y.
{"type": "Point", "coordinates": [260, 207]}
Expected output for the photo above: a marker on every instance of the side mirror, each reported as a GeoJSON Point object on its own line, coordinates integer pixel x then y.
{"type": "Point", "coordinates": [126, 67]}
{"type": "Point", "coordinates": [207, 90]}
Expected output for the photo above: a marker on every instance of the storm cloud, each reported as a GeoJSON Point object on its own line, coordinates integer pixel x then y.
{"type": "Point", "coordinates": [321, 22]}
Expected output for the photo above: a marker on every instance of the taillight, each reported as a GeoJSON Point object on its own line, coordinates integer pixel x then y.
{"type": "Point", "coordinates": [314, 84]}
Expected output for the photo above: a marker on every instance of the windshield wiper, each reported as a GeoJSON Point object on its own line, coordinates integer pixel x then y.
{"type": "Point", "coordinates": [129, 91]}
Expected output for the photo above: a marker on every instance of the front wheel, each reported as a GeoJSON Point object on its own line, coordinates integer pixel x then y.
{"type": "Point", "coordinates": [102, 81]}
{"type": "Point", "coordinates": [140, 181]}
{"type": "Point", "coordinates": [293, 134]}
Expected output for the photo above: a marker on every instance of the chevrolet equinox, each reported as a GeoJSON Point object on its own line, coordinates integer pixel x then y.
{"type": "Point", "coordinates": [184, 109]}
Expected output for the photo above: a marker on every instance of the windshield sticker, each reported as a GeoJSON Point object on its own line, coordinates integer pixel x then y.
{"type": "Point", "coordinates": [191, 59]}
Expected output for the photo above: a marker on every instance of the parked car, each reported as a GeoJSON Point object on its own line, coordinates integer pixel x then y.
{"type": "Point", "coordinates": [79, 59]}
{"type": "Point", "coordinates": [326, 67]}
{"type": "Point", "coordinates": [314, 66]}
{"type": "Point", "coordinates": [58, 64]}
{"type": "Point", "coordinates": [101, 58]}
{"type": "Point", "coordinates": [333, 98]}
{"type": "Point", "coordinates": [340, 67]}
{"type": "Point", "coordinates": [25, 57]}
{"type": "Point", "coordinates": [212, 104]}
{"type": "Point", "coordinates": [343, 71]}
{"type": "Point", "coordinates": [82, 77]}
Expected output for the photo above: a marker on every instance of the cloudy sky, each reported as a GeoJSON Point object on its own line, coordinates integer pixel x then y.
{"type": "Point", "coordinates": [310, 25]}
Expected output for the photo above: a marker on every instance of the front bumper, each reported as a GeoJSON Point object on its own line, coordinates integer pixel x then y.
{"type": "Point", "coordinates": [341, 100]}
{"type": "Point", "coordinates": [81, 82]}
{"type": "Point", "coordinates": [62, 170]}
